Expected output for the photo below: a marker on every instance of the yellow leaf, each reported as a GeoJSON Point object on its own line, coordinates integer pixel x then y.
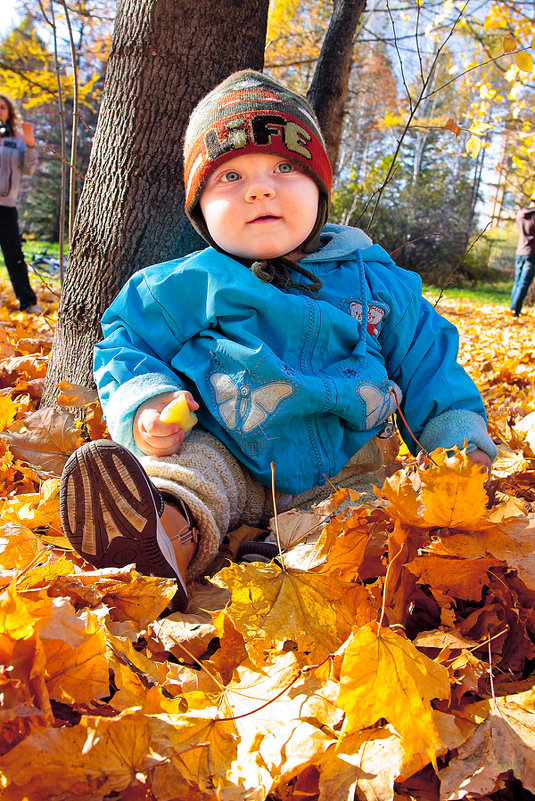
{"type": "Point", "coordinates": [473, 146]}
{"type": "Point", "coordinates": [302, 714]}
{"type": "Point", "coordinates": [509, 43]}
{"type": "Point", "coordinates": [271, 607]}
{"type": "Point", "coordinates": [478, 128]}
{"type": "Point", "coordinates": [133, 673]}
{"type": "Point", "coordinates": [524, 61]}
{"type": "Point", "coordinates": [115, 753]}
{"type": "Point", "coordinates": [16, 618]}
{"type": "Point", "coordinates": [386, 677]}
{"type": "Point", "coordinates": [36, 509]}
{"type": "Point", "coordinates": [18, 546]}
{"type": "Point", "coordinates": [453, 491]}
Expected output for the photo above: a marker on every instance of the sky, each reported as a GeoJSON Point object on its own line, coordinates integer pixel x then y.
{"type": "Point", "coordinates": [8, 16]}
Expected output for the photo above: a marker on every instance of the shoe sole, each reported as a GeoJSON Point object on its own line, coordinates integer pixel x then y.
{"type": "Point", "coordinates": [108, 512]}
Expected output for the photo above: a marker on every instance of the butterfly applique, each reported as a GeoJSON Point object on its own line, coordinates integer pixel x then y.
{"type": "Point", "coordinates": [378, 404]}
{"type": "Point", "coordinates": [244, 408]}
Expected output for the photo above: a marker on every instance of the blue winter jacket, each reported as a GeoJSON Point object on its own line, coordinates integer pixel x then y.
{"type": "Point", "coordinates": [283, 376]}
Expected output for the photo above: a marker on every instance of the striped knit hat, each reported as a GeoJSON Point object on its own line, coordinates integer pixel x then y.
{"type": "Point", "coordinates": [251, 113]}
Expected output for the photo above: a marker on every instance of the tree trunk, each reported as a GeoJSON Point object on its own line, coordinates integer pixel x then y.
{"type": "Point", "coordinates": [165, 56]}
{"type": "Point", "coordinates": [328, 90]}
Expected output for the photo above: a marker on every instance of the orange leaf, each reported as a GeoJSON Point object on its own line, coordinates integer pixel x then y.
{"type": "Point", "coordinates": [457, 578]}
{"type": "Point", "coordinates": [451, 125]}
{"type": "Point", "coordinates": [8, 411]}
{"type": "Point", "coordinates": [75, 395]}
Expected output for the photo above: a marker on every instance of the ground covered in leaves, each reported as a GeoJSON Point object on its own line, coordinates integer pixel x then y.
{"type": "Point", "coordinates": [389, 653]}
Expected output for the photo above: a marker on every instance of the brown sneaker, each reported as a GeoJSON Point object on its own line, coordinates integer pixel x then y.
{"type": "Point", "coordinates": [110, 513]}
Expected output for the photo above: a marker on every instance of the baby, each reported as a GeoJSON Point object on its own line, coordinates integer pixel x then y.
{"type": "Point", "coordinates": [294, 340]}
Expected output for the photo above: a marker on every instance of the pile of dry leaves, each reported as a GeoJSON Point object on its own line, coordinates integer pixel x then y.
{"type": "Point", "coordinates": [388, 653]}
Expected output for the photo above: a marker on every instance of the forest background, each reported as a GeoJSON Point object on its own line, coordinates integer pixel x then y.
{"type": "Point", "coordinates": [437, 138]}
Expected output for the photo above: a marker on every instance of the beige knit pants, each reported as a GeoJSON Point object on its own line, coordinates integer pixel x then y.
{"type": "Point", "coordinates": [222, 494]}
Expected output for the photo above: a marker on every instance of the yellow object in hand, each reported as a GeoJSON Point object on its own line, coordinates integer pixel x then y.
{"type": "Point", "coordinates": [179, 412]}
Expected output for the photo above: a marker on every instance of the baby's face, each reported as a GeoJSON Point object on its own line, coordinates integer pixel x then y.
{"type": "Point", "coordinates": [259, 206]}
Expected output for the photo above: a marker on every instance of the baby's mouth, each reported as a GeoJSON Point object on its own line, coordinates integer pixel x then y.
{"type": "Point", "coordinates": [265, 218]}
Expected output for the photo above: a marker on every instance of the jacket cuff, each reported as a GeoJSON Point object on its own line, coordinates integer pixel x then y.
{"type": "Point", "coordinates": [453, 428]}
{"type": "Point", "coordinates": [121, 409]}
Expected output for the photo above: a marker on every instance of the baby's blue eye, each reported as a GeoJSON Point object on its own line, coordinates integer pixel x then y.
{"type": "Point", "coordinates": [230, 176]}
{"type": "Point", "coordinates": [285, 167]}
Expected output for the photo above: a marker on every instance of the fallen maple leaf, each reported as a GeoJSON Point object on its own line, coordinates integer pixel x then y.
{"type": "Point", "coordinates": [45, 439]}
{"type": "Point", "coordinates": [130, 596]}
{"type": "Point", "coordinates": [76, 668]}
{"type": "Point", "coordinates": [74, 395]}
{"type": "Point", "coordinates": [271, 606]}
{"type": "Point", "coordinates": [385, 676]}
{"type": "Point", "coordinates": [452, 493]}
{"type": "Point", "coordinates": [456, 578]}
{"type": "Point", "coordinates": [8, 412]}
{"type": "Point", "coordinates": [503, 742]}
{"type": "Point", "coordinates": [18, 546]}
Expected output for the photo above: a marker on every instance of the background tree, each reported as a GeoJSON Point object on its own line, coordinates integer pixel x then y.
{"type": "Point", "coordinates": [164, 57]}
{"type": "Point", "coordinates": [328, 90]}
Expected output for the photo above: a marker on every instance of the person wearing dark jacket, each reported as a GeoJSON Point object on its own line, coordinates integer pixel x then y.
{"type": "Point", "coordinates": [525, 256]}
{"type": "Point", "coordinates": [17, 158]}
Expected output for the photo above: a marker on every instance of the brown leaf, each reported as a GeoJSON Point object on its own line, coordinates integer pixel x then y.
{"type": "Point", "coordinates": [451, 125]}
{"type": "Point", "coordinates": [45, 439]}
{"type": "Point", "coordinates": [504, 742]}
{"type": "Point", "coordinates": [74, 395]}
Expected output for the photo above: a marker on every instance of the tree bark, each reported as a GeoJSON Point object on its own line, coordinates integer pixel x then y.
{"type": "Point", "coordinates": [328, 90]}
{"type": "Point", "coordinates": [165, 56]}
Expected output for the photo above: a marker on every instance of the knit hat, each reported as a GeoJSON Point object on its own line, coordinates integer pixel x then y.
{"type": "Point", "coordinates": [251, 113]}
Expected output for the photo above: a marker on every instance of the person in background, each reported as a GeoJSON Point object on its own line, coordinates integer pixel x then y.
{"type": "Point", "coordinates": [18, 157]}
{"type": "Point", "coordinates": [525, 256]}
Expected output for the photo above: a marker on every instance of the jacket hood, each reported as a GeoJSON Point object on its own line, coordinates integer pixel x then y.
{"type": "Point", "coordinates": [527, 214]}
{"type": "Point", "coordinates": [338, 242]}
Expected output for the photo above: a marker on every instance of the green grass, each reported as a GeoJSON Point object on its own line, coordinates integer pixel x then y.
{"type": "Point", "coordinates": [498, 293]}
{"type": "Point", "coordinates": [30, 247]}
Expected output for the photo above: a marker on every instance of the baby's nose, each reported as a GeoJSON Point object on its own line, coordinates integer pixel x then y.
{"type": "Point", "coordinates": [259, 190]}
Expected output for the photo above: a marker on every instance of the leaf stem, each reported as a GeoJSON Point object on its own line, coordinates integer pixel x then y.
{"type": "Point", "coordinates": [298, 675]}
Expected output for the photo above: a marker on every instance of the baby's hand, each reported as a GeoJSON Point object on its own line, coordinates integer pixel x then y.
{"type": "Point", "coordinates": [151, 435]}
{"type": "Point", "coordinates": [481, 458]}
